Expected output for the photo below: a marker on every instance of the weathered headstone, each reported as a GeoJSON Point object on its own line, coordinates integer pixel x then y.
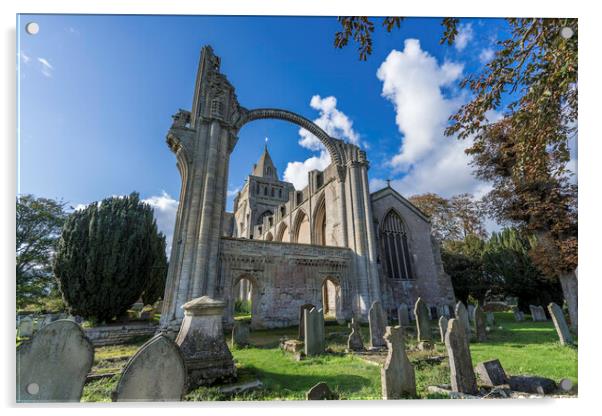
{"type": "Point", "coordinates": [537, 313]}
{"type": "Point", "coordinates": [202, 343]}
{"type": "Point", "coordinates": [480, 324]}
{"type": "Point", "coordinates": [377, 321]}
{"type": "Point", "coordinates": [53, 365]}
{"type": "Point", "coordinates": [403, 315]}
{"type": "Point", "coordinates": [314, 332]}
{"type": "Point", "coordinates": [518, 315]}
{"type": "Point", "coordinates": [320, 391]}
{"type": "Point", "coordinates": [490, 319]}
{"type": "Point", "coordinates": [470, 310]}
{"type": "Point", "coordinates": [564, 335]}
{"type": "Point", "coordinates": [532, 384]}
{"type": "Point", "coordinates": [443, 327]}
{"type": "Point", "coordinates": [423, 324]}
{"type": "Point", "coordinates": [397, 375]}
{"type": "Point", "coordinates": [491, 373]}
{"type": "Point", "coordinates": [25, 327]}
{"type": "Point", "coordinates": [355, 342]}
{"type": "Point", "coordinates": [462, 316]}
{"type": "Point", "coordinates": [155, 373]}
{"type": "Point", "coordinates": [302, 309]}
{"type": "Point", "coordinates": [240, 333]}
{"type": "Point", "coordinates": [463, 379]}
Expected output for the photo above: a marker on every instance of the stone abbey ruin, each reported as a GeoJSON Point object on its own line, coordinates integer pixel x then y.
{"type": "Point", "coordinates": [333, 244]}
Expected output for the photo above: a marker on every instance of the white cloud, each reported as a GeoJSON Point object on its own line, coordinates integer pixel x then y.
{"type": "Point", "coordinates": [47, 68]}
{"type": "Point", "coordinates": [165, 209]}
{"type": "Point", "coordinates": [428, 160]}
{"type": "Point", "coordinates": [332, 121]}
{"type": "Point", "coordinates": [486, 55]}
{"type": "Point", "coordinates": [232, 192]}
{"type": "Point", "coordinates": [24, 57]}
{"type": "Point", "coordinates": [465, 35]}
{"type": "Point", "coordinates": [296, 172]}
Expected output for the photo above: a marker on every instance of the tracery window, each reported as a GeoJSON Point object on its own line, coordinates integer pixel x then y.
{"type": "Point", "coordinates": [397, 263]}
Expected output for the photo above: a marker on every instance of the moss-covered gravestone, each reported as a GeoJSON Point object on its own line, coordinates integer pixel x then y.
{"type": "Point", "coordinates": [562, 329]}
{"type": "Point", "coordinates": [423, 323]}
{"type": "Point", "coordinates": [397, 375]}
{"type": "Point", "coordinates": [462, 376]}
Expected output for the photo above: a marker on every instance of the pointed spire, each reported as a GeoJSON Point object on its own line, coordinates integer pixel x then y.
{"type": "Point", "coordinates": [265, 166]}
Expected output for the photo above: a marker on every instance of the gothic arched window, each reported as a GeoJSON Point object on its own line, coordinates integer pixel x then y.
{"type": "Point", "coordinates": [396, 260]}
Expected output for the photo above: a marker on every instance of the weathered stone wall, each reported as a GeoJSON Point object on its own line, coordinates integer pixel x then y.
{"type": "Point", "coordinates": [284, 277]}
{"type": "Point", "coordinates": [431, 283]}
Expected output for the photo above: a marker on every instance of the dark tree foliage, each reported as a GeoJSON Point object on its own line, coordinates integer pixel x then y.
{"type": "Point", "coordinates": [39, 223]}
{"type": "Point", "coordinates": [506, 259]}
{"type": "Point", "coordinates": [156, 284]}
{"type": "Point", "coordinates": [106, 255]}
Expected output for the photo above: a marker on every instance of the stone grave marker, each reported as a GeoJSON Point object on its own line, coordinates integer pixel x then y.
{"type": "Point", "coordinates": [518, 315]}
{"type": "Point", "coordinates": [240, 333]}
{"type": "Point", "coordinates": [480, 324]}
{"type": "Point", "coordinates": [202, 343]}
{"type": "Point", "coordinates": [302, 308]}
{"type": "Point", "coordinates": [155, 373]}
{"type": "Point", "coordinates": [462, 376]}
{"type": "Point", "coordinates": [397, 375]}
{"type": "Point", "coordinates": [423, 324]}
{"type": "Point", "coordinates": [490, 317]}
{"type": "Point", "coordinates": [320, 391]}
{"type": "Point", "coordinates": [53, 365]}
{"type": "Point", "coordinates": [536, 313]}
{"type": "Point", "coordinates": [562, 329]}
{"type": "Point", "coordinates": [443, 327]}
{"type": "Point", "coordinates": [377, 321]}
{"type": "Point", "coordinates": [355, 342]}
{"type": "Point", "coordinates": [491, 373]}
{"type": "Point", "coordinates": [403, 315]}
{"type": "Point", "coordinates": [314, 332]}
{"type": "Point", "coordinates": [532, 384]}
{"type": "Point", "coordinates": [470, 310]}
{"type": "Point", "coordinates": [25, 328]}
{"type": "Point", "coordinates": [462, 316]}
{"type": "Point", "coordinates": [147, 314]}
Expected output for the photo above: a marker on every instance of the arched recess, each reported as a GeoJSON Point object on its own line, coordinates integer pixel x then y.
{"type": "Point", "coordinates": [245, 288]}
{"type": "Point", "coordinates": [282, 234]}
{"type": "Point", "coordinates": [301, 230]}
{"type": "Point", "coordinates": [269, 236]}
{"type": "Point", "coordinates": [319, 226]}
{"type": "Point", "coordinates": [336, 156]}
{"type": "Point", "coordinates": [266, 213]}
{"type": "Point", "coordinates": [332, 298]}
{"type": "Point", "coordinates": [393, 240]}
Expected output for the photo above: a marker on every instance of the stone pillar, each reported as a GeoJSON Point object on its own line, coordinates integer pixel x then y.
{"type": "Point", "coordinates": [202, 343]}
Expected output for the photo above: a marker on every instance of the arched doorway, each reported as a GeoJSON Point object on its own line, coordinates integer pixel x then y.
{"type": "Point", "coordinates": [320, 223]}
{"type": "Point", "coordinates": [302, 232]}
{"type": "Point", "coordinates": [243, 298]}
{"type": "Point", "coordinates": [331, 298]}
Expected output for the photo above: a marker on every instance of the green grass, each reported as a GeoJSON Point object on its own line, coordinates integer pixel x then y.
{"type": "Point", "coordinates": [522, 348]}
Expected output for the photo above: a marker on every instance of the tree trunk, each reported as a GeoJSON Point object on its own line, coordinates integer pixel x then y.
{"type": "Point", "coordinates": [569, 289]}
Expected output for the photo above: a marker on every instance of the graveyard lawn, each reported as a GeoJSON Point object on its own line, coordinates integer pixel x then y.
{"type": "Point", "coordinates": [522, 348]}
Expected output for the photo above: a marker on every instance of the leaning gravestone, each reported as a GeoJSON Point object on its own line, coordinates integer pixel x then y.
{"type": "Point", "coordinates": [463, 379]}
{"type": "Point", "coordinates": [25, 327]}
{"type": "Point", "coordinates": [314, 332]}
{"type": "Point", "coordinates": [240, 334]}
{"type": "Point", "coordinates": [202, 343]}
{"type": "Point", "coordinates": [155, 373]}
{"type": "Point", "coordinates": [491, 373]}
{"type": "Point", "coordinates": [462, 316]}
{"type": "Point", "coordinates": [302, 309]}
{"type": "Point", "coordinates": [443, 327]}
{"type": "Point", "coordinates": [355, 342]}
{"type": "Point", "coordinates": [564, 335]}
{"type": "Point", "coordinates": [480, 324]}
{"type": "Point", "coordinates": [320, 391]}
{"type": "Point", "coordinates": [403, 315]}
{"type": "Point", "coordinates": [423, 324]}
{"type": "Point", "coordinates": [376, 319]}
{"type": "Point", "coordinates": [53, 365]}
{"type": "Point", "coordinates": [397, 375]}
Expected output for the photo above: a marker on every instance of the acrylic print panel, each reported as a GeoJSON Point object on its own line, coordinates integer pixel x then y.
{"type": "Point", "coordinates": [223, 207]}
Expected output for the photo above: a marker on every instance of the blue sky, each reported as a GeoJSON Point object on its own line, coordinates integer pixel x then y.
{"type": "Point", "coordinates": [96, 95]}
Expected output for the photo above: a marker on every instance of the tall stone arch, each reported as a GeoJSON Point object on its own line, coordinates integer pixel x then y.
{"type": "Point", "coordinates": [202, 140]}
